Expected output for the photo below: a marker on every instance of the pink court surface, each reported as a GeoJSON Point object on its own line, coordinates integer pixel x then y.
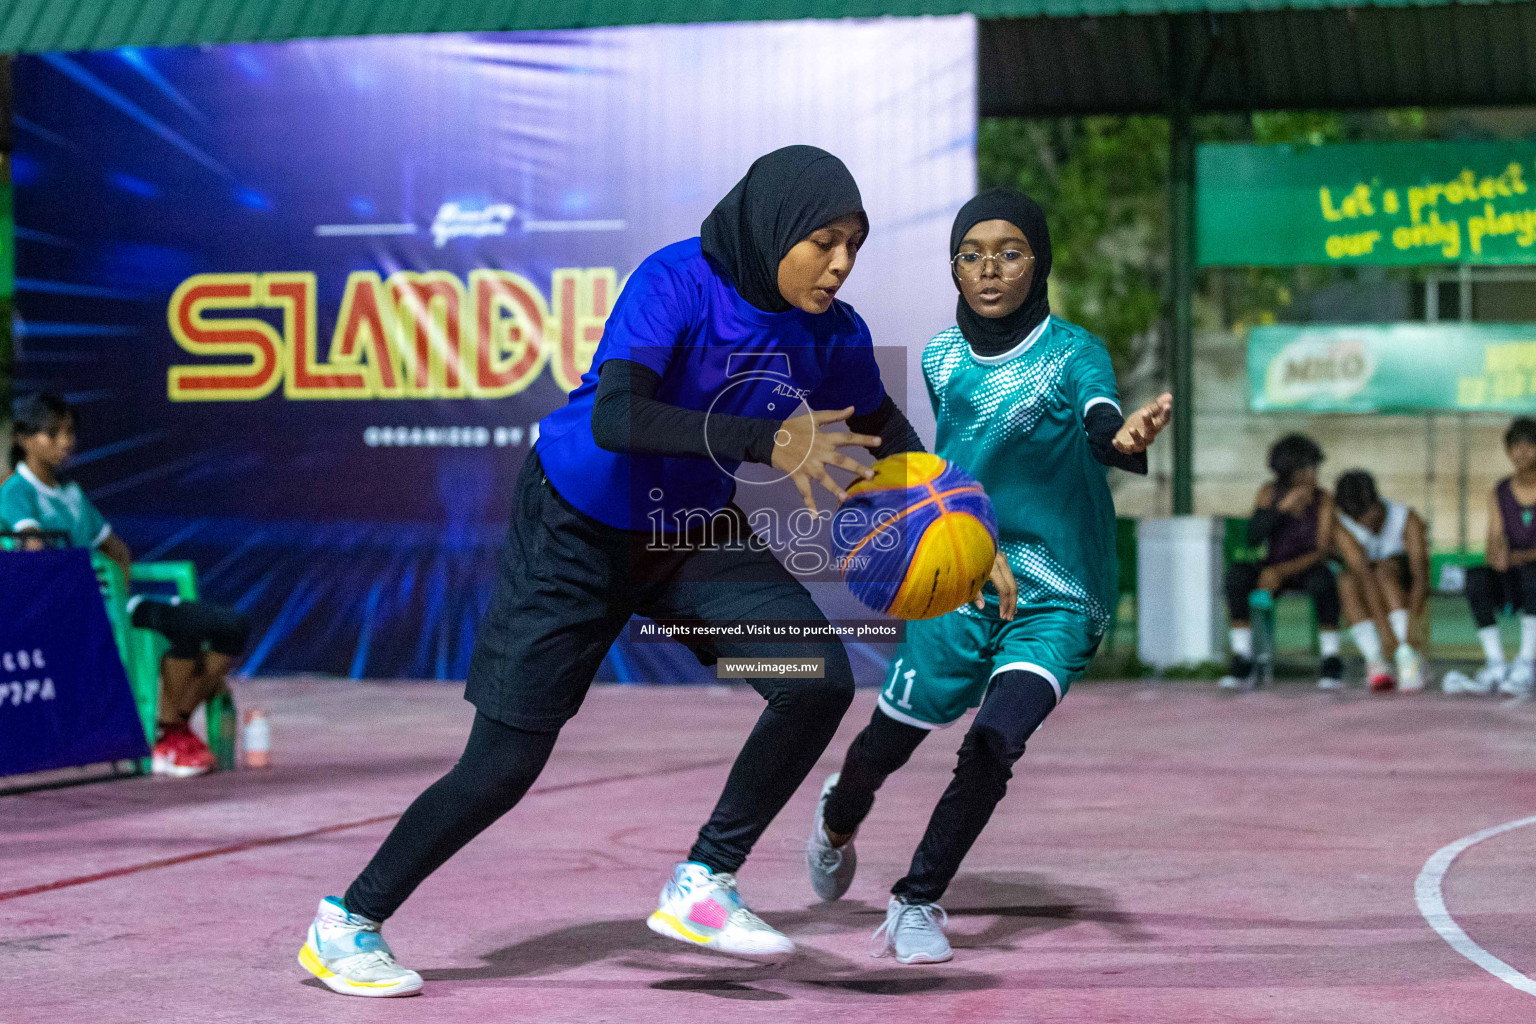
{"type": "Point", "coordinates": [1165, 854]}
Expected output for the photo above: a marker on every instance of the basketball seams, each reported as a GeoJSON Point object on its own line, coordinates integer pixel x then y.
{"type": "Point", "coordinates": [922, 571]}
{"type": "Point", "coordinates": [943, 521]}
{"type": "Point", "coordinates": [909, 509]}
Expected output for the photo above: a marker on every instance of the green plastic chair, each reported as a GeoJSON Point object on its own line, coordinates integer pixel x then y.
{"type": "Point", "coordinates": [142, 650]}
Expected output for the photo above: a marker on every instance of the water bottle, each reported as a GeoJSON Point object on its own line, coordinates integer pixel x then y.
{"type": "Point", "coordinates": [256, 739]}
{"type": "Point", "coordinates": [1261, 619]}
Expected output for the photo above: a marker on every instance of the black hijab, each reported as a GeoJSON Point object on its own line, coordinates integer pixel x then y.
{"type": "Point", "coordinates": [987, 336]}
{"type": "Point", "coordinates": [785, 196]}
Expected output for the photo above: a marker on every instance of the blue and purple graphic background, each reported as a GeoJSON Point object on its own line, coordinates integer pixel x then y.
{"type": "Point", "coordinates": [137, 169]}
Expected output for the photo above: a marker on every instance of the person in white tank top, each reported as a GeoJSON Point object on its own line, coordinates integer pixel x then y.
{"type": "Point", "coordinates": [1395, 586]}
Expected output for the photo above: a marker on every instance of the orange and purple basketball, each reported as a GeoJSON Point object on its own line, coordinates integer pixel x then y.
{"type": "Point", "coordinates": [918, 539]}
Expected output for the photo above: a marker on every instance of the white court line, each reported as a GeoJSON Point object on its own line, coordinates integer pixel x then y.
{"type": "Point", "coordinates": [1426, 892]}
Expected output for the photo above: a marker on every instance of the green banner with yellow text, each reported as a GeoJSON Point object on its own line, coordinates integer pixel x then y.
{"type": "Point", "coordinates": [1366, 203]}
{"type": "Point", "coordinates": [1393, 368]}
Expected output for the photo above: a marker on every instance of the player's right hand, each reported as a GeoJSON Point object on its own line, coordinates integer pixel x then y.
{"type": "Point", "coordinates": [1007, 589]}
{"type": "Point", "coordinates": [804, 451]}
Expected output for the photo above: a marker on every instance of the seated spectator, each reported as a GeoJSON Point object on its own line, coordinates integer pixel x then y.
{"type": "Point", "coordinates": [1295, 519]}
{"type": "Point", "coordinates": [205, 638]}
{"type": "Point", "coordinates": [1508, 580]}
{"type": "Point", "coordinates": [1395, 580]}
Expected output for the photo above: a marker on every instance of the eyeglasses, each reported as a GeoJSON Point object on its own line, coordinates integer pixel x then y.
{"type": "Point", "coordinates": [1010, 264]}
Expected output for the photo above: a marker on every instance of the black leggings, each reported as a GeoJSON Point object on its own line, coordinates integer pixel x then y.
{"type": "Point", "coordinates": [1012, 710]}
{"type": "Point", "coordinates": [498, 765]}
{"type": "Point", "coordinates": [567, 588]}
{"type": "Point", "coordinates": [188, 625]}
{"type": "Point", "coordinates": [1490, 592]}
{"type": "Point", "coordinates": [1318, 582]}
{"type": "Point", "coordinates": [501, 762]}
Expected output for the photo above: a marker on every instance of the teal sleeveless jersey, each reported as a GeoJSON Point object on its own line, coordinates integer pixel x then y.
{"type": "Point", "coordinates": [1015, 422]}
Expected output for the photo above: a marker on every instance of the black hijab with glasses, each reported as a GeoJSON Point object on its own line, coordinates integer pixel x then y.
{"type": "Point", "coordinates": [988, 336]}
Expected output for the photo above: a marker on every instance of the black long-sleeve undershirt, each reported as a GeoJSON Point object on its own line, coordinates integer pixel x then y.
{"type": "Point", "coordinates": [627, 417]}
{"type": "Point", "coordinates": [1102, 423]}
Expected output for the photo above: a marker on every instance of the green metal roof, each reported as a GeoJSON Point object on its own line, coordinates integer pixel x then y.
{"type": "Point", "coordinates": [30, 26]}
{"type": "Point", "coordinates": [1320, 58]}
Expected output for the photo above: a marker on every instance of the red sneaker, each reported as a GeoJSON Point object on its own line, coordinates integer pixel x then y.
{"type": "Point", "coordinates": [1382, 682]}
{"type": "Point", "coordinates": [181, 755]}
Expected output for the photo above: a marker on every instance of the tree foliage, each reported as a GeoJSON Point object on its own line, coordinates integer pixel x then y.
{"type": "Point", "coordinates": [1103, 183]}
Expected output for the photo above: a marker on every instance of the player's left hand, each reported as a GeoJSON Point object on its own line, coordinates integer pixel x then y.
{"type": "Point", "coordinates": [1143, 425]}
{"type": "Point", "coordinates": [1002, 581]}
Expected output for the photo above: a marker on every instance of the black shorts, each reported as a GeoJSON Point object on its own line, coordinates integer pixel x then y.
{"type": "Point", "coordinates": [192, 626]}
{"type": "Point", "coordinates": [568, 584]}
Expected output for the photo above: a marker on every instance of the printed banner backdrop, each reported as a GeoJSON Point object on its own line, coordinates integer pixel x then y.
{"type": "Point", "coordinates": [1393, 368]}
{"type": "Point", "coordinates": [1367, 203]}
{"type": "Point", "coordinates": [64, 697]}
{"type": "Point", "coordinates": [313, 297]}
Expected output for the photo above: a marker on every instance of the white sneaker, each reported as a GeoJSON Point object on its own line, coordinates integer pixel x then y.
{"type": "Point", "coordinates": [1517, 681]}
{"type": "Point", "coordinates": [831, 867]}
{"type": "Point", "coordinates": [914, 932]}
{"type": "Point", "coordinates": [1410, 669]}
{"type": "Point", "coordinates": [1330, 683]}
{"type": "Point", "coordinates": [704, 908]}
{"type": "Point", "coordinates": [1456, 682]}
{"type": "Point", "coordinates": [347, 953]}
{"type": "Point", "coordinates": [1486, 678]}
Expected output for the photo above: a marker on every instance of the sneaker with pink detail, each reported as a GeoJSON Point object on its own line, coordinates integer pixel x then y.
{"type": "Point", "coordinates": [702, 907]}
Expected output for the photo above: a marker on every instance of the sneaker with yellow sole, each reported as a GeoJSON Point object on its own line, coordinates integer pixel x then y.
{"type": "Point", "coordinates": [347, 953]}
{"type": "Point", "coordinates": [703, 907]}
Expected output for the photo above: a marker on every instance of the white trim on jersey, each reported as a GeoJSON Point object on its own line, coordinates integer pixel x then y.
{"type": "Point", "coordinates": [1017, 350]}
{"type": "Point", "coordinates": [1101, 400]}
{"type": "Point", "coordinates": [900, 716]}
{"type": "Point", "coordinates": [26, 524]}
{"type": "Point", "coordinates": [25, 472]}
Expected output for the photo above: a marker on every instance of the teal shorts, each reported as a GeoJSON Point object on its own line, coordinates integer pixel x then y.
{"type": "Point", "coordinates": [944, 666]}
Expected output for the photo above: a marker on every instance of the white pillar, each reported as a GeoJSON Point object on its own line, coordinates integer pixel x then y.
{"type": "Point", "coordinates": [1180, 612]}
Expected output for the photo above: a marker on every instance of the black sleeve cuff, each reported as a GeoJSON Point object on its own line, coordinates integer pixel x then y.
{"type": "Point", "coordinates": [891, 425]}
{"type": "Point", "coordinates": [1102, 423]}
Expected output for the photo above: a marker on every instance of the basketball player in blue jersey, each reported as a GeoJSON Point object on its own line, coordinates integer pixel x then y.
{"type": "Point", "coordinates": [1027, 403]}
{"type": "Point", "coordinates": [648, 441]}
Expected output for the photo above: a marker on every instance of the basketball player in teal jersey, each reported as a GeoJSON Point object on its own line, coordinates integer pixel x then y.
{"type": "Point", "coordinates": [1027, 403]}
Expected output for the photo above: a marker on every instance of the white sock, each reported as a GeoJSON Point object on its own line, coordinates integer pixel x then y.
{"type": "Point", "coordinates": [1493, 647]}
{"type": "Point", "coordinates": [1527, 637]}
{"type": "Point", "coordinates": [1398, 617]}
{"type": "Point", "coordinates": [1367, 640]}
{"type": "Point", "coordinates": [1328, 642]}
{"type": "Point", "coordinates": [1242, 641]}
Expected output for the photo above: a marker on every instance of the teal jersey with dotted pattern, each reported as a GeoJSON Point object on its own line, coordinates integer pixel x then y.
{"type": "Point", "coordinates": [1015, 422]}
{"type": "Point", "coordinates": [28, 503]}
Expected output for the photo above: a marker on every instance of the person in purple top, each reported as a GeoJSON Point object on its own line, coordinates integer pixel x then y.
{"type": "Point", "coordinates": [1508, 580]}
{"type": "Point", "coordinates": [723, 349]}
{"type": "Point", "coordinates": [1294, 518]}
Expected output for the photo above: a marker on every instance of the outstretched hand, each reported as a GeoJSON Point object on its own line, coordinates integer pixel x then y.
{"type": "Point", "coordinates": [804, 451]}
{"type": "Point", "coordinates": [1142, 426]}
